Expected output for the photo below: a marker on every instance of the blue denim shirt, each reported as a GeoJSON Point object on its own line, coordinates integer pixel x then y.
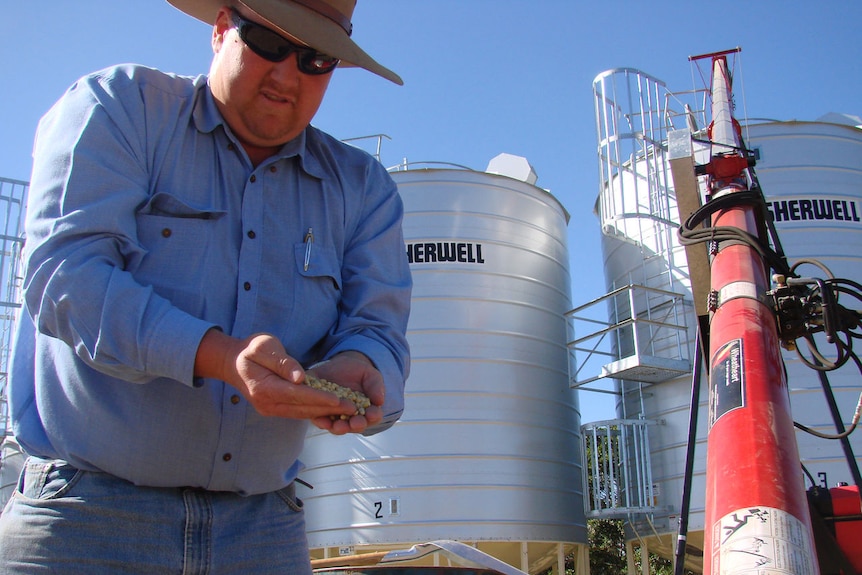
{"type": "Point", "coordinates": [147, 225]}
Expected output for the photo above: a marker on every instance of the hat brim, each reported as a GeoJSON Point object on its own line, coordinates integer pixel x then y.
{"type": "Point", "coordinates": [299, 22]}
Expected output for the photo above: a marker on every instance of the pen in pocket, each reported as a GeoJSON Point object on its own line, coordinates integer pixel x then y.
{"type": "Point", "coordinates": [309, 241]}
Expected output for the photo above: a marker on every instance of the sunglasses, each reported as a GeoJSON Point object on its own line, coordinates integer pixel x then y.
{"type": "Point", "coordinates": [274, 47]}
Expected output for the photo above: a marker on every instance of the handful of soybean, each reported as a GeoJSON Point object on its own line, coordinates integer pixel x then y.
{"type": "Point", "coordinates": [359, 399]}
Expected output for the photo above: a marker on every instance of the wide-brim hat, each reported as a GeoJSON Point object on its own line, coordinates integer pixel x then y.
{"type": "Point", "coordinates": [322, 24]}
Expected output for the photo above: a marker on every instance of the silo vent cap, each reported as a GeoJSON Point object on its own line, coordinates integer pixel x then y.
{"type": "Point", "coordinates": [515, 167]}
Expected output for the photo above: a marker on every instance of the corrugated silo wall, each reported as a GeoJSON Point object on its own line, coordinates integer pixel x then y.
{"type": "Point", "coordinates": [488, 446]}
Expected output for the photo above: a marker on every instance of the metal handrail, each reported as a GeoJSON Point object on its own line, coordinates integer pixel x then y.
{"type": "Point", "coordinates": [641, 328]}
{"type": "Point", "coordinates": [618, 474]}
{"type": "Point", "coordinates": [13, 195]}
{"type": "Point", "coordinates": [405, 166]}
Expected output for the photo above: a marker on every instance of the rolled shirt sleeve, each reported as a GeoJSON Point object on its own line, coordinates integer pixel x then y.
{"type": "Point", "coordinates": [90, 176]}
{"type": "Point", "coordinates": [377, 290]}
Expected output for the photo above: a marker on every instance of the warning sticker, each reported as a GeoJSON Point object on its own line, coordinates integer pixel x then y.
{"type": "Point", "coordinates": [726, 380]}
{"type": "Point", "coordinates": [762, 540]}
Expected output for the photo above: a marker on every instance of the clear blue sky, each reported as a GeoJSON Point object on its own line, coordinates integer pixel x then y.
{"type": "Point", "coordinates": [481, 77]}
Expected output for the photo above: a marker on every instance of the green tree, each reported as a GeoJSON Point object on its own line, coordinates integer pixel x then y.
{"type": "Point", "coordinates": [607, 543]}
{"type": "Point", "coordinates": [606, 540]}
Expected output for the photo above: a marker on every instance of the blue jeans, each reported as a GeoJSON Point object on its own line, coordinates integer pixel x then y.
{"type": "Point", "coordinates": [64, 520]}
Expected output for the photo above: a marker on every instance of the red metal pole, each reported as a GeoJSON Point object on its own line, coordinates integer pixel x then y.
{"type": "Point", "coordinates": [757, 518]}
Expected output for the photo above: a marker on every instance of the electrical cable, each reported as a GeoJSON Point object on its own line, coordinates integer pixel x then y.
{"type": "Point", "coordinates": [809, 476]}
{"type": "Point", "coordinates": [846, 433]}
{"type": "Point", "coordinates": [689, 233]}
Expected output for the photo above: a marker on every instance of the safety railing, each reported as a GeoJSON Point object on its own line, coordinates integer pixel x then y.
{"type": "Point", "coordinates": [13, 198]}
{"type": "Point", "coordinates": [617, 472]}
{"type": "Point", "coordinates": [635, 333]}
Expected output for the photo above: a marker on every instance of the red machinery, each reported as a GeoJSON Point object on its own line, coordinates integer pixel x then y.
{"type": "Point", "coordinates": [847, 522]}
{"type": "Point", "coordinates": [837, 522]}
{"type": "Point", "coordinates": [757, 514]}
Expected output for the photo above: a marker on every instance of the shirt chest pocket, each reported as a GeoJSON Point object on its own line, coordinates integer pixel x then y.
{"type": "Point", "coordinates": [316, 293]}
{"type": "Point", "coordinates": [180, 242]}
{"type": "Point", "coordinates": [319, 265]}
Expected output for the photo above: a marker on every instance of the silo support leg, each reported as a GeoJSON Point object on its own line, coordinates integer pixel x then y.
{"type": "Point", "coordinates": [644, 558]}
{"type": "Point", "coordinates": [631, 568]}
{"type": "Point", "coordinates": [582, 560]}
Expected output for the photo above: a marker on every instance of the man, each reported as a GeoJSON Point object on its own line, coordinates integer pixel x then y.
{"type": "Point", "coordinates": [193, 245]}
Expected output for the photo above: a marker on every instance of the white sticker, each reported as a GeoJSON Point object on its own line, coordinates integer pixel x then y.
{"type": "Point", "coordinates": [762, 540]}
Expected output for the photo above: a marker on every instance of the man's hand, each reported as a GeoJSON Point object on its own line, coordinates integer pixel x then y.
{"type": "Point", "coordinates": [354, 370]}
{"type": "Point", "coordinates": [271, 380]}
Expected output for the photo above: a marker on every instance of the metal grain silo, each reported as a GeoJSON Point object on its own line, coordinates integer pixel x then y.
{"type": "Point", "coordinates": [487, 451]}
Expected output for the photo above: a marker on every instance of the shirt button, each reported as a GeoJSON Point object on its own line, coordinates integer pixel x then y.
{"type": "Point", "coordinates": [253, 178]}
{"type": "Point", "coordinates": [247, 286]}
{"type": "Point", "coordinates": [273, 169]}
{"type": "Point", "coordinates": [166, 233]}
{"type": "Point", "coordinates": [227, 457]}
{"type": "Point", "coordinates": [234, 399]}
{"type": "Point", "coordinates": [251, 234]}
{"type": "Point", "coordinates": [231, 147]}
